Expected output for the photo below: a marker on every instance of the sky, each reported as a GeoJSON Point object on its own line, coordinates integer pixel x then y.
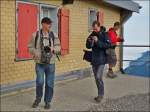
{"type": "Point", "coordinates": [136, 32]}
{"type": "Point", "coordinates": [137, 27]}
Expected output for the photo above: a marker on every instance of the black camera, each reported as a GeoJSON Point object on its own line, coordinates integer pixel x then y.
{"type": "Point", "coordinates": [94, 33]}
{"type": "Point", "coordinates": [46, 54]}
{"type": "Point", "coordinates": [47, 49]}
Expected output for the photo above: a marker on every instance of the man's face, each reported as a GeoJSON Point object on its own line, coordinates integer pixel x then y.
{"type": "Point", "coordinates": [116, 27]}
{"type": "Point", "coordinates": [47, 26]}
{"type": "Point", "coordinates": [96, 28]}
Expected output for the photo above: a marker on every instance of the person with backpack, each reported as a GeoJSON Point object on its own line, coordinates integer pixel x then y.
{"type": "Point", "coordinates": [112, 59]}
{"type": "Point", "coordinates": [98, 43]}
{"type": "Point", "coordinates": [44, 46]}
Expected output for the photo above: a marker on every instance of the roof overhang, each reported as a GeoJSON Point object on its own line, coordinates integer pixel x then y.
{"type": "Point", "coordinates": [125, 4]}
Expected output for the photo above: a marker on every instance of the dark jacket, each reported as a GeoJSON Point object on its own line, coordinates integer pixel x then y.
{"type": "Point", "coordinates": [99, 48]}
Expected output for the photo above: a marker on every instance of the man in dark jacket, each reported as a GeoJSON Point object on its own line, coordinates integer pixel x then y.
{"type": "Point", "coordinates": [98, 43]}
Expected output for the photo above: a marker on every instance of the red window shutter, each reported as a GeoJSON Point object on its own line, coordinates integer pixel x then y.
{"type": "Point", "coordinates": [27, 24]}
{"type": "Point", "coordinates": [64, 30]}
{"type": "Point", "coordinates": [100, 17]}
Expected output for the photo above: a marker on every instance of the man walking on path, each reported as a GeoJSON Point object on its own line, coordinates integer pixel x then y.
{"type": "Point", "coordinates": [44, 46]}
{"type": "Point", "coordinates": [112, 59]}
{"type": "Point", "coordinates": [98, 43]}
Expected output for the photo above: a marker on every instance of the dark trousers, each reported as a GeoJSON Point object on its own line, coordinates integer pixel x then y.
{"type": "Point", "coordinates": [47, 70]}
{"type": "Point", "coordinates": [98, 74]}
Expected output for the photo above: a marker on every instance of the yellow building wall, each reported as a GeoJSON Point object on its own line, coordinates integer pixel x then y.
{"type": "Point", "coordinates": [14, 72]}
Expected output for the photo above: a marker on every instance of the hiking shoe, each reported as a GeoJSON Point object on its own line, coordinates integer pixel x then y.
{"type": "Point", "coordinates": [98, 99]}
{"type": "Point", "coordinates": [47, 106]}
{"type": "Point", "coordinates": [111, 74]}
{"type": "Point", "coordinates": [36, 103]}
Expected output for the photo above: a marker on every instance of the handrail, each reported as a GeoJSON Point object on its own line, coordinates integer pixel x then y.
{"type": "Point", "coordinates": [129, 60]}
{"type": "Point", "coordinates": [133, 45]}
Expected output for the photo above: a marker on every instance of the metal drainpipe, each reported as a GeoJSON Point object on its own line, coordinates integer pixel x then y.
{"type": "Point", "coordinates": [125, 16]}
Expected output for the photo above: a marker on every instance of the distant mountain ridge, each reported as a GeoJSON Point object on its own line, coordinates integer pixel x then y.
{"type": "Point", "coordinates": [140, 66]}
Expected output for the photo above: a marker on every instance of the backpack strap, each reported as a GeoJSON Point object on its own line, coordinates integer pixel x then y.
{"type": "Point", "coordinates": [36, 38]}
{"type": "Point", "coordinates": [51, 35]}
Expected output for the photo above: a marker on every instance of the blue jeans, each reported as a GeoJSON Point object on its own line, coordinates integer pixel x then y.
{"type": "Point", "coordinates": [47, 70]}
{"type": "Point", "coordinates": [98, 74]}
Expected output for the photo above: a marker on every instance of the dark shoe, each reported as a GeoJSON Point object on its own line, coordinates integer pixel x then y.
{"type": "Point", "coordinates": [111, 74]}
{"type": "Point", "coordinates": [36, 103]}
{"type": "Point", "coordinates": [98, 99]}
{"type": "Point", "coordinates": [47, 106]}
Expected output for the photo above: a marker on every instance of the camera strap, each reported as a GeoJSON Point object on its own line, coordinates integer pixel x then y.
{"type": "Point", "coordinates": [36, 38]}
{"type": "Point", "coordinates": [51, 38]}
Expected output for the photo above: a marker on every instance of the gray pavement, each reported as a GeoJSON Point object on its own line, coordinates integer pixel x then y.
{"type": "Point", "coordinates": [124, 93]}
{"type": "Point", "coordinates": [138, 102]}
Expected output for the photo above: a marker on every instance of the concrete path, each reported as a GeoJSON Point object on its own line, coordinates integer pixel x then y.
{"type": "Point", "coordinates": [78, 94]}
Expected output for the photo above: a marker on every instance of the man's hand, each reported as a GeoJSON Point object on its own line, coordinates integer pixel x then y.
{"type": "Point", "coordinates": [36, 55]}
{"type": "Point", "coordinates": [95, 38]}
{"type": "Point", "coordinates": [52, 50]}
{"type": "Point", "coordinates": [120, 39]}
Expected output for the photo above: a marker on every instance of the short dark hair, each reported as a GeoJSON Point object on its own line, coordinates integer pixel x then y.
{"type": "Point", "coordinates": [46, 20]}
{"type": "Point", "coordinates": [117, 23]}
{"type": "Point", "coordinates": [95, 23]}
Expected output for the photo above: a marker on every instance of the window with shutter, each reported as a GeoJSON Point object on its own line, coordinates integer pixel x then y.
{"type": "Point", "coordinates": [51, 12]}
{"type": "Point", "coordinates": [63, 15]}
{"type": "Point", "coordinates": [27, 23]}
{"type": "Point", "coordinates": [92, 17]}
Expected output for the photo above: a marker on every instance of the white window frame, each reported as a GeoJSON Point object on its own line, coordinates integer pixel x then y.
{"type": "Point", "coordinates": [55, 21]}
{"type": "Point", "coordinates": [89, 18]}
